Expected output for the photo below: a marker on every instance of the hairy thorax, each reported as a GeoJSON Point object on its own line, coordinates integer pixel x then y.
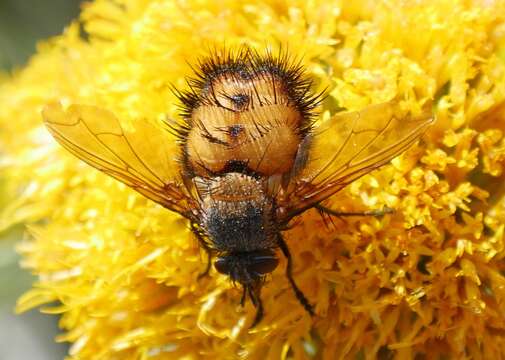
{"type": "Point", "coordinates": [237, 215]}
{"type": "Point", "coordinates": [249, 123]}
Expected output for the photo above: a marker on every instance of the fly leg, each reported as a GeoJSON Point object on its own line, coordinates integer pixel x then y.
{"type": "Point", "coordinates": [209, 264]}
{"type": "Point", "coordinates": [376, 213]}
{"type": "Point", "coordinates": [244, 293]}
{"type": "Point", "coordinates": [289, 273]}
{"type": "Point", "coordinates": [206, 248]}
{"type": "Point", "coordinates": [256, 301]}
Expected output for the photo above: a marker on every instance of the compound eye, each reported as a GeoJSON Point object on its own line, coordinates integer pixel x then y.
{"type": "Point", "coordinates": [222, 265]}
{"type": "Point", "coordinates": [263, 264]}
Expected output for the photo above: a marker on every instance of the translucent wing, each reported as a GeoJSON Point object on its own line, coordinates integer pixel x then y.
{"type": "Point", "coordinates": [348, 146]}
{"type": "Point", "coordinates": [137, 154]}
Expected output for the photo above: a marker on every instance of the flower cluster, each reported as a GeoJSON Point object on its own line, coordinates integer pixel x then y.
{"type": "Point", "coordinates": [427, 280]}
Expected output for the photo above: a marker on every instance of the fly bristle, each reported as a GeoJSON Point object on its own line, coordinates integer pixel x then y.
{"type": "Point", "coordinates": [179, 130]}
{"type": "Point", "coordinates": [246, 64]}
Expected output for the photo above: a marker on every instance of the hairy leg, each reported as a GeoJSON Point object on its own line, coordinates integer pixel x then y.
{"type": "Point", "coordinates": [244, 293]}
{"type": "Point", "coordinates": [289, 273]}
{"type": "Point", "coordinates": [377, 213]}
{"type": "Point", "coordinates": [256, 301]}
{"type": "Point", "coordinates": [206, 248]}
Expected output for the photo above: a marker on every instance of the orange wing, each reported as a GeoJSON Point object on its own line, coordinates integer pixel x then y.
{"type": "Point", "coordinates": [348, 146]}
{"type": "Point", "coordinates": [139, 154]}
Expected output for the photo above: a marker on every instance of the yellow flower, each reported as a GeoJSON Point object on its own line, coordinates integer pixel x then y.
{"type": "Point", "coordinates": [122, 272]}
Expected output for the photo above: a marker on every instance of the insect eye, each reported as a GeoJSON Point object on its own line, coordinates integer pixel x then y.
{"type": "Point", "coordinates": [222, 265]}
{"type": "Point", "coordinates": [263, 264]}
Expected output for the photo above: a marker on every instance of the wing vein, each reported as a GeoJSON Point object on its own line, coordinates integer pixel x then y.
{"type": "Point", "coordinates": [349, 146]}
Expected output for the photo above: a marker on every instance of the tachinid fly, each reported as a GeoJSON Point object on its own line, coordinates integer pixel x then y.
{"type": "Point", "coordinates": [252, 156]}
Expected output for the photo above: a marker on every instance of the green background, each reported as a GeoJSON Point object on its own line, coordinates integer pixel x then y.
{"type": "Point", "coordinates": [24, 22]}
{"type": "Point", "coordinates": [31, 335]}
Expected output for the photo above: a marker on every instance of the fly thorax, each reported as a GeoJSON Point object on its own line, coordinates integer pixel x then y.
{"type": "Point", "coordinates": [237, 213]}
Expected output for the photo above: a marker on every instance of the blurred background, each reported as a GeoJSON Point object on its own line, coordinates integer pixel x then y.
{"type": "Point", "coordinates": [31, 335]}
